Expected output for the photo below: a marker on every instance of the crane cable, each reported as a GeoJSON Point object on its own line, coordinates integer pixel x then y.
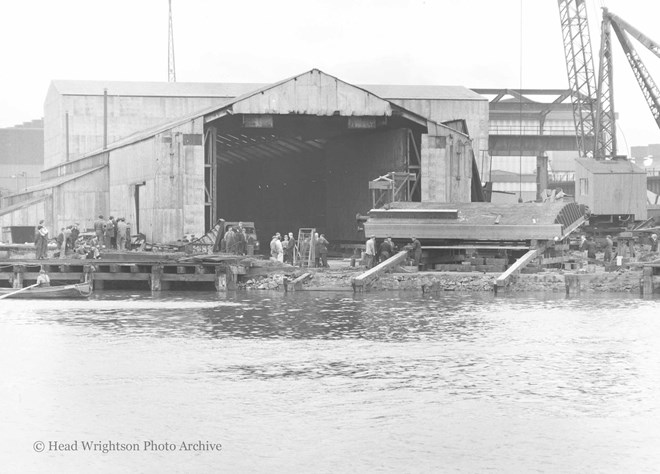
{"type": "Point", "coordinates": [520, 118]}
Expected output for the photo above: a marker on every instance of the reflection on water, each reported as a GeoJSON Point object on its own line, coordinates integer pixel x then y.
{"type": "Point", "coordinates": [397, 382]}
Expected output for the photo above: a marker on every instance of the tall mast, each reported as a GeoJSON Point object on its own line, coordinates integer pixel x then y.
{"type": "Point", "coordinates": [171, 68]}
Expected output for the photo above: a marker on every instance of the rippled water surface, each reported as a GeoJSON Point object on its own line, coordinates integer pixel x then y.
{"type": "Point", "coordinates": [332, 382]}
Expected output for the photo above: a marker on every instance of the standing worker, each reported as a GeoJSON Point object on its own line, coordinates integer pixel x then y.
{"type": "Point", "coordinates": [416, 251]}
{"type": "Point", "coordinates": [110, 233]}
{"type": "Point", "coordinates": [591, 249]}
{"type": "Point", "coordinates": [66, 232]}
{"type": "Point", "coordinates": [121, 234]}
{"type": "Point", "coordinates": [322, 245]}
{"type": "Point", "coordinates": [99, 230]}
{"type": "Point", "coordinates": [291, 249]}
{"type": "Point", "coordinates": [609, 245]}
{"type": "Point", "coordinates": [385, 250]}
{"type": "Point", "coordinates": [41, 241]}
{"type": "Point", "coordinates": [654, 243]}
{"type": "Point", "coordinates": [370, 251]}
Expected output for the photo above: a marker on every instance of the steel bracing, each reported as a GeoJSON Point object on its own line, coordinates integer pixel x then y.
{"type": "Point", "coordinates": [605, 132]}
{"type": "Point", "coordinates": [644, 79]}
{"type": "Point", "coordinates": [580, 69]}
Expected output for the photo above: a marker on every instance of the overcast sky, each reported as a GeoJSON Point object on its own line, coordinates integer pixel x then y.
{"type": "Point", "coordinates": [474, 43]}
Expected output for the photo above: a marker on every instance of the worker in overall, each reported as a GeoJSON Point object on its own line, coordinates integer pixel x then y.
{"type": "Point", "coordinates": [385, 250]}
{"type": "Point", "coordinates": [654, 243]}
{"type": "Point", "coordinates": [416, 251]}
{"type": "Point", "coordinates": [99, 230]}
{"type": "Point", "coordinates": [370, 252]}
{"type": "Point", "coordinates": [291, 249]}
{"type": "Point", "coordinates": [609, 245]}
{"type": "Point", "coordinates": [322, 246]}
{"type": "Point", "coordinates": [591, 249]}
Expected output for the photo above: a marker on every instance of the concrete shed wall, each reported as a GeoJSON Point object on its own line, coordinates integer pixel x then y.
{"type": "Point", "coordinates": [28, 215]}
{"type": "Point", "coordinates": [168, 170]}
{"type": "Point", "coordinates": [80, 200]}
{"type": "Point", "coordinates": [474, 112]}
{"type": "Point", "coordinates": [126, 115]}
{"type": "Point", "coordinates": [446, 166]}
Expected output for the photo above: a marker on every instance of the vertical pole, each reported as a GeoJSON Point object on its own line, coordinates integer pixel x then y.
{"type": "Point", "coordinates": [541, 176]}
{"type": "Point", "coordinates": [19, 271]}
{"type": "Point", "coordinates": [647, 281]}
{"type": "Point", "coordinates": [214, 177]}
{"type": "Point", "coordinates": [232, 277]}
{"type": "Point", "coordinates": [156, 274]}
{"type": "Point", "coordinates": [220, 278]}
{"type": "Point", "coordinates": [572, 284]}
{"type": "Point", "coordinates": [66, 131]}
{"type": "Point", "coordinates": [105, 118]}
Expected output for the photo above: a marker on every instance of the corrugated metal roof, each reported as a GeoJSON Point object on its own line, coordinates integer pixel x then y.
{"type": "Point", "coordinates": [399, 91]}
{"type": "Point", "coordinates": [154, 89]}
{"type": "Point", "coordinates": [609, 166]}
{"type": "Point", "coordinates": [53, 183]}
{"type": "Point", "coordinates": [234, 89]}
{"type": "Point", "coordinates": [23, 204]}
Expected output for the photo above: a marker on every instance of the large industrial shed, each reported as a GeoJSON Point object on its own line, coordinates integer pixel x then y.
{"type": "Point", "coordinates": [81, 116]}
{"type": "Point", "coordinates": [297, 153]}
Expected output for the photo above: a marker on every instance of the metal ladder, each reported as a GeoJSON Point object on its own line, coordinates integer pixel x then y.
{"type": "Point", "coordinates": [306, 247]}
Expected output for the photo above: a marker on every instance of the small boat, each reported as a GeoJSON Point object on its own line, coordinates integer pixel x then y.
{"type": "Point", "coordinates": [79, 290]}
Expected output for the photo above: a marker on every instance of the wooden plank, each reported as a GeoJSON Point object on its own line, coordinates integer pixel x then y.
{"type": "Point", "coordinates": [122, 276]}
{"type": "Point", "coordinates": [53, 276]}
{"type": "Point", "coordinates": [555, 260]}
{"type": "Point", "coordinates": [517, 266]}
{"type": "Point", "coordinates": [367, 277]}
{"type": "Point", "coordinates": [297, 284]}
{"type": "Point", "coordinates": [187, 277]}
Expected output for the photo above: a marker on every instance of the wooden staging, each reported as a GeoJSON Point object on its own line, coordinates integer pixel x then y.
{"type": "Point", "coordinates": [225, 275]}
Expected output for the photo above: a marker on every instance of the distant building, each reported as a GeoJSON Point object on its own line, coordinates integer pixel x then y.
{"type": "Point", "coordinates": [21, 156]}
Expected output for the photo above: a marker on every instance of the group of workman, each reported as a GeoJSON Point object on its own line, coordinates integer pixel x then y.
{"type": "Point", "coordinates": [113, 233]}
{"type": "Point", "coordinates": [66, 240]}
{"type": "Point", "coordinates": [287, 250]}
{"type": "Point", "coordinates": [387, 248]}
{"type": "Point", "coordinates": [235, 240]}
{"type": "Point", "coordinates": [589, 247]}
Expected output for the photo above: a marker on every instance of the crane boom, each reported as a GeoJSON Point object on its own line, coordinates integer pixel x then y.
{"type": "Point", "coordinates": [580, 69]}
{"type": "Point", "coordinates": [605, 127]}
{"type": "Point", "coordinates": [644, 79]}
{"type": "Point", "coordinates": [653, 46]}
{"type": "Point", "coordinates": [646, 83]}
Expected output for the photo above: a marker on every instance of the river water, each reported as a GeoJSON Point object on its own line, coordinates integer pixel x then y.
{"type": "Point", "coordinates": [330, 382]}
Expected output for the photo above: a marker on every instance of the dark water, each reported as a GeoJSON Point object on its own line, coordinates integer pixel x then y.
{"type": "Point", "coordinates": [332, 382]}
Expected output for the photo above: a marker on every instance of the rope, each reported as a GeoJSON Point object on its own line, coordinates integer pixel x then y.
{"type": "Point", "coordinates": [520, 199]}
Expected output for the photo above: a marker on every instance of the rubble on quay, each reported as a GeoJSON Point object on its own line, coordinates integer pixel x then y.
{"type": "Point", "coordinates": [625, 279]}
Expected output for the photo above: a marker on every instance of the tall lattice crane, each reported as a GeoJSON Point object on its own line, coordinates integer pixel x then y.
{"type": "Point", "coordinates": [171, 68]}
{"type": "Point", "coordinates": [593, 100]}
